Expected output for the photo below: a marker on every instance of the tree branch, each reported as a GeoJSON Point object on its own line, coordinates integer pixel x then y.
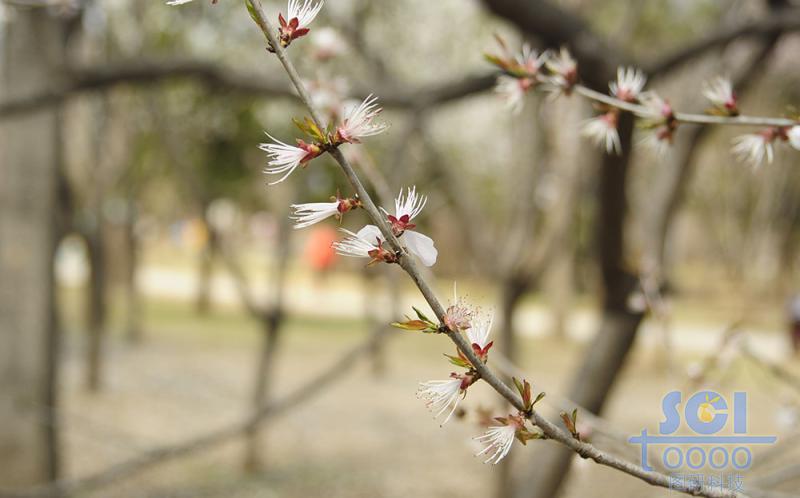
{"type": "Point", "coordinates": [217, 77]}
{"type": "Point", "coordinates": [409, 265]}
{"type": "Point", "coordinates": [771, 25]}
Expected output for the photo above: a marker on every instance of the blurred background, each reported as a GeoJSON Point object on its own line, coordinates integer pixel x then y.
{"type": "Point", "coordinates": [165, 332]}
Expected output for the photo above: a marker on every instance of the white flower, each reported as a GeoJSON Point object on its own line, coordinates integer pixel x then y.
{"type": "Point", "coordinates": [602, 130]}
{"type": "Point", "coordinates": [481, 326]}
{"type": "Point", "coordinates": [285, 158]}
{"type": "Point", "coordinates": [512, 91]}
{"type": "Point", "coordinates": [441, 395]}
{"type": "Point", "coordinates": [327, 93]}
{"type": "Point", "coordinates": [360, 245]}
{"type": "Point", "coordinates": [499, 439]}
{"type": "Point", "coordinates": [794, 136]}
{"type": "Point", "coordinates": [654, 106]}
{"type": "Point", "coordinates": [564, 69]}
{"type": "Point", "coordinates": [308, 214]}
{"type": "Point", "coordinates": [458, 315]}
{"type": "Point", "coordinates": [629, 84]}
{"type": "Point", "coordinates": [357, 122]}
{"type": "Point", "coordinates": [719, 92]}
{"type": "Point", "coordinates": [407, 206]}
{"type": "Point", "coordinates": [313, 212]}
{"type": "Point", "coordinates": [305, 12]}
{"type": "Point", "coordinates": [530, 60]}
{"type": "Point", "coordinates": [327, 43]}
{"type": "Point", "coordinates": [754, 147]}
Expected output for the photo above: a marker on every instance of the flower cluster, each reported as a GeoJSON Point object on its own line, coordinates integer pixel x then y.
{"type": "Point", "coordinates": [559, 73]}
{"type": "Point", "coordinates": [299, 15]}
{"type": "Point", "coordinates": [357, 123]}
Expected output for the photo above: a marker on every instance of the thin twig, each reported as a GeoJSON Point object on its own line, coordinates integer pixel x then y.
{"type": "Point", "coordinates": [683, 117]}
{"type": "Point", "coordinates": [407, 263]}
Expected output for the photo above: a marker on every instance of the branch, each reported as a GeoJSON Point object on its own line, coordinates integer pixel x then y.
{"type": "Point", "coordinates": [409, 265]}
{"type": "Point", "coordinates": [683, 117]}
{"type": "Point", "coordinates": [556, 26]}
{"type": "Point", "coordinates": [219, 78]}
{"type": "Point", "coordinates": [770, 25]}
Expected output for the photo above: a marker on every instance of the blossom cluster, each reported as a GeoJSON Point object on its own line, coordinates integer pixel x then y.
{"type": "Point", "coordinates": [557, 72]}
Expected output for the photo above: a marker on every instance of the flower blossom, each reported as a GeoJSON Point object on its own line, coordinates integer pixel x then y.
{"type": "Point", "coordinates": [300, 13]}
{"type": "Point", "coordinates": [602, 130]}
{"type": "Point", "coordinates": [286, 158]}
{"type": "Point", "coordinates": [443, 394]}
{"type": "Point", "coordinates": [500, 438]}
{"type": "Point", "coordinates": [564, 70]}
{"type": "Point", "coordinates": [720, 93]}
{"type": "Point", "coordinates": [358, 122]}
{"type": "Point", "coordinates": [367, 243]}
{"type": "Point", "coordinates": [478, 334]}
{"type": "Point", "coordinates": [659, 118]}
{"type": "Point", "coordinates": [793, 135]}
{"type": "Point", "coordinates": [755, 147]}
{"type": "Point", "coordinates": [406, 207]}
{"type": "Point", "coordinates": [327, 43]}
{"type": "Point", "coordinates": [513, 90]}
{"type": "Point", "coordinates": [458, 315]}
{"type": "Point", "coordinates": [308, 214]}
{"type": "Point", "coordinates": [629, 85]}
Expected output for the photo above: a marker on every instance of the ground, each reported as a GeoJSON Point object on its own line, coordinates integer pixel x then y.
{"type": "Point", "coordinates": [366, 436]}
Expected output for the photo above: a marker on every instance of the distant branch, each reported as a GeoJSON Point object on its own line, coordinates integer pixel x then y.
{"type": "Point", "coordinates": [220, 78]}
{"type": "Point", "coordinates": [772, 25]}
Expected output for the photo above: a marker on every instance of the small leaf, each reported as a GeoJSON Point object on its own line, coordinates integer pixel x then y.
{"type": "Point", "coordinates": [538, 398]}
{"type": "Point", "coordinates": [459, 362]}
{"type": "Point", "coordinates": [421, 315]}
{"type": "Point", "coordinates": [411, 325]}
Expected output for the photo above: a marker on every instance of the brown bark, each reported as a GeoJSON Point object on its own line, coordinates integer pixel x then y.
{"type": "Point", "coordinates": [205, 269]}
{"type": "Point", "coordinates": [606, 355]}
{"type": "Point", "coordinates": [30, 157]}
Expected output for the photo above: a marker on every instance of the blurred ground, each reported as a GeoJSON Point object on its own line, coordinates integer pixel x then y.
{"type": "Point", "coordinates": [367, 436]}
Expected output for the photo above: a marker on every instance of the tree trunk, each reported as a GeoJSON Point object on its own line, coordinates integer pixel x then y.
{"type": "Point", "coordinates": [206, 266]}
{"type": "Point", "coordinates": [96, 305]}
{"type": "Point", "coordinates": [612, 342]}
{"type": "Point", "coordinates": [30, 154]}
{"type": "Point", "coordinates": [134, 309]}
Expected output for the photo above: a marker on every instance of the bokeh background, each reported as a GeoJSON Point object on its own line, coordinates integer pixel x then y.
{"type": "Point", "coordinates": [165, 332]}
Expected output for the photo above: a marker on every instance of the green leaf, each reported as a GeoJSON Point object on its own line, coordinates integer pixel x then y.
{"type": "Point", "coordinates": [459, 362]}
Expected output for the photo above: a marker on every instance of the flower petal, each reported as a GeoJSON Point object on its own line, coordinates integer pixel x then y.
{"type": "Point", "coordinates": [420, 246]}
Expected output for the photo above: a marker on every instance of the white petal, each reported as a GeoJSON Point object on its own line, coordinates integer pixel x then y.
{"type": "Point", "coordinates": [794, 136]}
{"type": "Point", "coordinates": [420, 246]}
{"type": "Point", "coordinates": [370, 233]}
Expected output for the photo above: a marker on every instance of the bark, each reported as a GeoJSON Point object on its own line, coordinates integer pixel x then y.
{"type": "Point", "coordinates": [608, 351]}
{"type": "Point", "coordinates": [133, 327]}
{"type": "Point", "coordinates": [205, 270]}
{"type": "Point", "coordinates": [96, 305]}
{"type": "Point", "coordinates": [33, 47]}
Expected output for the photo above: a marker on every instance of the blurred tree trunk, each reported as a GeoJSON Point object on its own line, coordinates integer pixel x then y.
{"type": "Point", "coordinates": [30, 155]}
{"type": "Point", "coordinates": [134, 309]}
{"type": "Point", "coordinates": [96, 247]}
{"type": "Point", "coordinates": [205, 271]}
{"type": "Point", "coordinates": [272, 320]}
{"type": "Point", "coordinates": [96, 304]}
{"type": "Point", "coordinates": [607, 353]}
